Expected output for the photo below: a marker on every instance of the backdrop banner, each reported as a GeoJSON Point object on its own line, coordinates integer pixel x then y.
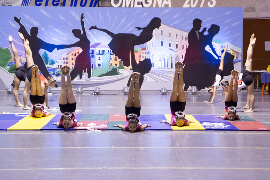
{"type": "Point", "coordinates": [103, 46]}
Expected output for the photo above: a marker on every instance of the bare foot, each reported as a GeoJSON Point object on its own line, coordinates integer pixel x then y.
{"type": "Point", "coordinates": [19, 105]}
{"type": "Point", "coordinates": [21, 36]}
{"type": "Point", "coordinates": [35, 70]}
{"type": "Point", "coordinates": [135, 76]}
{"type": "Point", "coordinates": [245, 107]}
{"type": "Point", "coordinates": [179, 66]}
{"type": "Point", "coordinates": [223, 102]}
{"type": "Point", "coordinates": [252, 40]}
{"type": "Point", "coordinates": [249, 110]}
{"type": "Point", "coordinates": [65, 70]}
{"type": "Point", "coordinates": [206, 101]}
{"type": "Point", "coordinates": [236, 75]}
{"type": "Point", "coordinates": [10, 39]}
{"type": "Point", "coordinates": [26, 108]}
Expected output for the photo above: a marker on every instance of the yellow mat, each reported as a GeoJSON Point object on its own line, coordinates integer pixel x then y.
{"type": "Point", "coordinates": [31, 123]}
{"type": "Point", "coordinates": [194, 125]}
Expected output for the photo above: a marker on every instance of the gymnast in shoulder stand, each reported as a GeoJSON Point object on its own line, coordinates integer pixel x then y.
{"type": "Point", "coordinates": [37, 96]}
{"type": "Point", "coordinates": [178, 98]}
{"type": "Point", "coordinates": [231, 99]}
{"type": "Point", "coordinates": [133, 107]}
{"type": "Point", "coordinates": [28, 79]}
{"type": "Point", "coordinates": [67, 102]}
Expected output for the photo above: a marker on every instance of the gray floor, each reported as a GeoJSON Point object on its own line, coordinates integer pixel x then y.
{"type": "Point", "coordinates": [145, 155]}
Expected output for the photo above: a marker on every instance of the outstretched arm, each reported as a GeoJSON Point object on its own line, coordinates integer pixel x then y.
{"type": "Point", "coordinates": [214, 94]}
{"type": "Point", "coordinates": [103, 30]}
{"type": "Point", "coordinates": [82, 23]}
{"type": "Point", "coordinates": [121, 126]}
{"type": "Point", "coordinates": [22, 28]}
{"type": "Point", "coordinates": [76, 44]}
{"type": "Point", "coordinates": [144, 126]}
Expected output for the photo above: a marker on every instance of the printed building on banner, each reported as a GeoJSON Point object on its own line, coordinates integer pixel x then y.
{"type": "Point", "coordinates": [167, 46]}
{"type": "Point", "coordinates": [98, 52]}
{"type": "Point", "coordinates": [140, 55]}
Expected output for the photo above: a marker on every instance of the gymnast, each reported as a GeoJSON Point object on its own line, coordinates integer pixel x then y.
{"type": "Point", "coordinates": [37, 96]}
{"type": "Point", "coordinates": [246, 78]}
{"type": "Point", "coordinates": [219, 76]}
{"type": "Point", "coordinates": [231, 99]}
{"type": "Point", "coordinates": [178, 99]}
{"type": "Point", "coordinates": [30, 63]}
{"type": "Point", "coordinates": [133, 107]}
{"type": "Point", "coordinates": [19, 75]}
{"type": "Point", "coordinates": [67, 102]}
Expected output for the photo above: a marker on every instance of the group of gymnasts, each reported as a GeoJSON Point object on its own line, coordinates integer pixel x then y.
{"type": "Point", "coordinates": [67, 101]}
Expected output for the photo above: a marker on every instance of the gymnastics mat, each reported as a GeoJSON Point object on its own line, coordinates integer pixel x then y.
{"type": "Point", "coordinates": [112, 123]}
{"type": "Point", "coordinates": [194, 125]}
{"type": "Point", "coordinates": [95, 117]}
{"type": "Point", "coordinates": [152, 117]}
{"type": "Point", "coordinates": [250, 126]}
{"type": "Point", "coordinates": [11, 117]}
{"type": "Point", "coordinates": [31, 123]}
{"type": "Point", "coordinates": [56, 118]}
{"type": "Point", "coordinates": [214, 118]}
{"type": "Point", "coordinates": [117, 117]}
{"type": "Point", "coordinates": [156, 125]}
{"type": "Point", "coordinates": [99, 125]}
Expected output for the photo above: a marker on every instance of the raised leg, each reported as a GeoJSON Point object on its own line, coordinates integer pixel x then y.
{"type": "Point", "coordinates": [129, 102]}
{"type": "Point", "coordinates": [34, 82]}
{"type": "Point", "coordinates": [248, 63]}
{"type": "Point", "coordinates": [173, 97]}
{"type": "Point", "coordinates": [229, 95]}
{"type": "Point", "coordinates": [181, 93]}
{"type": "Point", "coordinates": [235, 96]}
{"type": "Point", "coordinates": [137, 102]}
{"type": "Point", "coordinates": [15, 54]}
{"type": "Point", "coordinates": [28, 52]}
{"type": "Point", "coordinates": [63, 96]}
{"type": "Point", "coordinates": [71, 96]}
{"type": "Point", "coordinates": [222, 58]}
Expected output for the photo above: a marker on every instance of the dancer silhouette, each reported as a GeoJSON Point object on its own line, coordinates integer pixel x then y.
{"type": "Point", "coordinates": [122, 44]}
{"type": "Point", "coordinates": [83, 60]}
{"type": "Point", "coordinates": [35, 45]}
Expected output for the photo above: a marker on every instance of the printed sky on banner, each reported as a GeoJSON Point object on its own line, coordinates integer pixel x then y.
{"type": "Point", "coordinates": [55, 23]}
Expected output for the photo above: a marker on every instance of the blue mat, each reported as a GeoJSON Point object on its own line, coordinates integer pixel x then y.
{"type": "Point", "coordinates": [224, 126]}
{"type": "Point", "coordinates": [152, 117]}
{"type": "Point", "coordinates": [12, 117]}
{"type": "Point", "coordinates": [155, 125]}
{"type": "Point", "coordinates": [5, 124]}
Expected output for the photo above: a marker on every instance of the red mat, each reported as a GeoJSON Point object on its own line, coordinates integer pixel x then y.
{"type": "Point", "coordinates": [250, 126]}
{"type": "Point", "coordinates": [117, 117]}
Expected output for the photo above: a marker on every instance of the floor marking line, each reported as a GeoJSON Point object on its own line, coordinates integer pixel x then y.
{"type": "Point", "coordinates": [186, 132]}
{"type": "Point", "coordinates": [37, 148]}
{"type": "Point", "coordinates": [137, 168]}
